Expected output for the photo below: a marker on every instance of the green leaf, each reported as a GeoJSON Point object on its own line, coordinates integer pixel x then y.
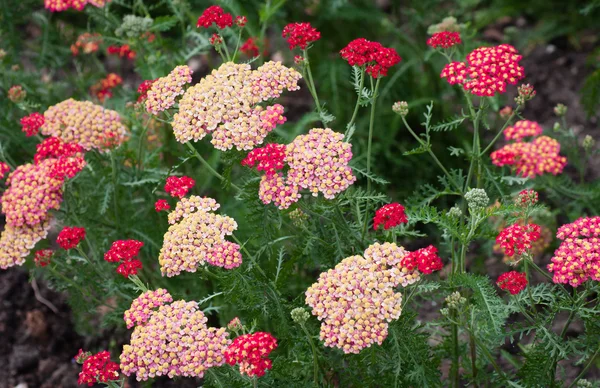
{"type": "Point", "coordinates": [164, 23]}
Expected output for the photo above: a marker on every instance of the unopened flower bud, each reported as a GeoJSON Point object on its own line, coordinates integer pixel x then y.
{"type": "Point", "coordinates": [455, 300]}
{"type": "Point", "coordinates": [17, 94]}
{"type": "Point", "coordinates": [560, 110]}
{"type": "Point", "coordinates": [234, 325]}
{"type": "Point", "coordinates": [556, 127]}
{"type": "Point", "coordinates": [401, 108]}
{"type": "Point", "coordinates": [526, 93]}
{"type": "Point", "coordinates": [477, 199]}
{"type": "Point", "coordinates": [299, 60]}
{"type": "Point", "coordinates": [506, 112]}
{"type": "Point", "coordinates": [2, 54]}
{"type": "Point", "coordinates": [298, 217]}
{"type": "Point", "coordinates": [82, 356]}
{"type": "Point", "coordinates": [300, 315]}
{"type": "Point", "coordinates": [588, 143]}
{"type": "Point", "coordinates": [216, 40]}
{"type": "Point", "coordinates": [583, 383]}
{"type": "Point", "coordinates": [527, 198]}
{"type": "Point", "coordinates": [454, 212]}
{"type": "Point", "coordinates": [241, 21]}
{"type": "Point", "coordinates": [15, 67]}
{"type": "Point", "coordinates": [444, 312]}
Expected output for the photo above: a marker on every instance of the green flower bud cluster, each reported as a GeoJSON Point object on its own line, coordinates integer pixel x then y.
{"type": "Point", "coordinates": [134, 26]}
{"type": "Point", "coordinates": [477, 199]}
{"type": "Point", "coordinates": [300, 315]}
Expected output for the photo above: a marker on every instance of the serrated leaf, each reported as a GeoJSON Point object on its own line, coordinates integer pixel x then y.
{"type": "Point", "coordinates": [164, 23]}
{"type": "Point", "coordinates": [415, 151]}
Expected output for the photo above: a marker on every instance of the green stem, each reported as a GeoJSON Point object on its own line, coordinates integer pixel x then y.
{"type": "Point", "coordinates": [226, 51]}
{"type": "Point", "coordinates": [495, 139]}
{"type": "Point", "coordinates": [585, 369]}
{"type": "Point", "coordinates": [311, 85]}
{"type": "Point", "coordinates": [473, 348]}
{"type": "Point", "coordinates": [528, 277]}
{"type": "Point", "coordinates": [358, 100]}
{"type": "Point", "coordinates": [369, 144]}
{"type": "Point", "coordinates": [314, 353]}
{"type": "Point", "coordinates": [140, 146]}
{"type": "Point", "coordinates": [490, 358]}
{"type": "Point", "coordinates": [113, 163]}
{"type": "Point", "coordinates": [255, 382]}
{"type": "Point", "coordinates": [208, 166]}
{"type": "Point", "coordinates": [237, 46]}
{"type": "Point", "coordinates": [455, 355]}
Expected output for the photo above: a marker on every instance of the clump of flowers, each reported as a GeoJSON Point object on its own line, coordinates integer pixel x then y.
{"type": "Point", "coordinates": [487, 70]}
{"type": "Point", "coordinates": [144, 88]}
{"type": "Point", "coordinates": [134, 26]}
{"type": "Point", "coordinates": [269, 158]}
{"type": "Point", "coordinates": [527, 197]}
{"type": "Point", "coordinates": [577, 259]}
{"type": "Point", "coordinates": [4, 168]}
{"type": "Point", "coordinates": [16, 94]}
{"type": "Point", "coordinates": [179, 186]}
{"type": "Point", "coordinates": [165, 90]}
{"type": "Point", "coordinates": [125, 252]}
{"type": "Point", "coordinates": [143, 306]}
{"type": "Point", "coordinates": [123, 51]}
{"type": "Point", "coordinates": [513, 282]}
{"type": "Point", "coordinates": [426, 260]}
{"type": "Point", "coordinates": [42, 257]}
{"type": "Point", "coordinates": [197, 236]}
{"type": "Point", "coordinates": [17, 241]}
{"type": "Point", "coordinates": [97, 368]}
{"type": "Point", "coordinates": [32, 123]}
{"type": "Point", "coordinates": [250, 48]}
{"type": "Point", "coordinates": [84, 123]}
{"type": "Point", "coordinates": [70, 237]}
{"type": "Point", "coordinates": [529, 159]}
{"type": "Point", "coordinates": [251, 353]}
{"type": "Point", "coordinates": [300, 35]}
{"type": "Point", "coordinates": [161, 204]}
{"type": "Point", "coordinates": [525, 93]}
{"type": "Point", "coordinates": [225, 104]}
{"type": "Point", "coordinates": [477, 199]}
{"type": "Point", "coordinates": [376, 58]}
{"type": "Point", "coordinates": [102, 89]}
{"type": "Point", "coordinates": [444, 39]}
{"type": "Point", "coordinates": [174, 341]}
{"type": "Point", "coordinates": [517, 239]}
{"type": "Point", "coordinates": [215, 15]}
{"type": "Point", "coordinates": [401, 108]}
{"type": "Point", "coordinates": [522, 129]}
{"type": "Point", "coordinates": [63, 159]}
{"type": "Point", "coordinates": [86, 43]}
{"type": "Point", "coordinates": [390, 215]}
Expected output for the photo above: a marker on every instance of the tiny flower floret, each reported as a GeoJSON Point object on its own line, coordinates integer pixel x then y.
{"type": "Point", "coordinates": [513, 282]}
{"type": "Point", "coordinates": [444, 39]}
{"type": "Point", "coordinates": [251, 353]}
{"type": "Point", "coordinates": [250, 48]}
{"type": "Point", "coordinates": [4, 168]}
{"type": "Point", "coordinates": [163, 92]}
{"type": "Point", "coordinates": [390, 216]}
{"type": "Point", "coordinates": [300, 35]}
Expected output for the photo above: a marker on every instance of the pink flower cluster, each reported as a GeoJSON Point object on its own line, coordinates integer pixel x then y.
{"type": "Point", "coordinates": [251, 353]}
{"type": "Point", "coordinates": [174, 341]}
{"type": "Point", "coordinates": [67, 158]}
{"type": "Point", "coordinates": [376, 58]}
{"type": "Point", "coordinates": [163, 92]}
{"type": "Point", "coordinates": [17, 241]}
{"type": "Point", "coordinates": [97, 368]}
{"type": "Point", "coordinates": [300, 35]}
{"type": "Point", "coordinates": [356, 300]}
{"type": "Point", "coordinates": [197, 236]}
{"type": "Point", "coordinates": [4, 168]}
{"type": "Point", "coordinates": [390, 215]}
{"type": "Point", "coordinates": [577, 259]}
{"type": "Point", "coordinates": [225, 104]}
{"type": "Point", "coordinates": [529, 159]}
{"type": "Point", "coordinates": [444, 39]}
{"type": "Point", "coordinates": [487, 70]}
{"type": "Point", "coordinates": [521, 129]}
{"type": "Point", "coordinates": [78, 5]}
{"type": "Point", "coordinates": [143, 306]}
{"type": "Point", "coordinates": [31, 124]}
{"type": "Point", "coordinates": [517, 239]}
{"type": "Point", "coordinates": [513, 282]}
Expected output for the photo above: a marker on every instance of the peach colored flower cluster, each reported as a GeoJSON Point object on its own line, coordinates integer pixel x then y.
{"type": "Point", "coordinates": [529, 159]}
{"type": "Point", "coordinates": [175, 341]}
{"type": "Point", "coordinates": [163, 92]}
{"type": "Point", "coordinates": [355, 301]}
{"type": "Point", "coordinates": [577, 259]}
{"type": "Point", "coordinates": [143, 306]}
{"type": "Point", "coordinates": [17, 241]}
{"type": "Point", "coordinates": [197, 236]}
{"type": "Point", "coordinates": [225, 104]}
{"type": "Point", "coordinates": [84, 123]}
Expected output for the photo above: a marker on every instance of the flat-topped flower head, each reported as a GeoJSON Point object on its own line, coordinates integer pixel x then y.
{"type": "Point", "coordinates": [84, 123]}
{"type": "Point", "coordinates": [426, 260]}
{"type": "Point", "coordinates": [269, 158]}
{"type": "Point", "coordinates": [163, 92]}
{"type": "Point", "coordinates": [196, 237]}
{"type": "Point", "coordinates": [444, 39]}
{"type": "Point", "coordinates": [377, 58]}
{"type": "Point", "coordinates": [42, 257]}
{"type": "Point", "coordinates": [174, 341]}
{"type": "Point", "coordinates": [513, 282]}
{"type": "Point", "coordinates": [144, 305]}
{"type": "Point", "coordinates": [215, 15]}
{"type": "Point", "coordinates": [517, 239]}
{"type": "Point", "coordinates": [98, 368]}
{"type": "Point", "coordinates": [161, 204]}
{"type": "Point", "coordinates": [78, 5]}
{"type": "Point", "coordinates": [31, 124]}
{"type": "Point", "coordinates": [251, 352]}
{"type": "Point", "coordinates": [70, 237]}
{"type": "Point", "coordinates": [390, 216]}
{"type": "Point", "coordinates": [179, 186]}
{"type": "Point", "coordinates": [300, 35]}
{"type": "Point", "coordinates": [225, 104]}
{"type": "Point", "coordinates": [16, 242]}
{"type": "Point", "coordinates": [529, 159]}
{"type": "Point", "coordinates": [522, 129]}
{"type": "Point", "coordinates": [123, 250]}
{"type": "Point", "coordinates": [527, 197]}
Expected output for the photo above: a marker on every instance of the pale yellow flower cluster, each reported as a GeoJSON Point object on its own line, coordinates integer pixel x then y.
{"type": "Point", "coordinates": [186, 206]}
{"type": "Point", "coordinates": [165, 90]}
{"type": "Point", "coordinates": [17, 241]}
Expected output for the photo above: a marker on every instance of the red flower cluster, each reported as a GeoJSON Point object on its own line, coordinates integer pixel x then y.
{"type": "Point", "coordinates": [161, 205]}
{"type": "Point", "coordinates": [513, 282]}
{"type": "Point", "coordinates": [127, 251]}
{"type": "Point", "coordinates": [390, 215]}
{"type": "Point", "coordinates": [42, 257]}
{"type": "Point", "coordinates": [102, 89]}
{"type": "Point", "coordinates": [527, 197]}
{"type": "Point", "coordinates": [250, 48]}
{"type": "Point", "coordinates": [215, 14]}
{"type": "Point", "coordinates": [540, 156]}
{"type": "Point", "coordinates": [122, 51]}
{"type": "Point", "coordinates": [179, 186]}
{"type": "Point", "coordinates": [70, 237]}
{"type": "Point", "coordinates": [378, 59]}
{"type": "Point", "coordinates": [300, 35]}
{"type": "Point", "coordinates": [518, 238]}
{"type": "Point", "coordinates": [251, 353]}
{"type": "Point", "coordinates": [97, 368]}
{"type": "Point", "coordinates": [143, 89]}
{"type": "Point", "coordinates": [68, 157]}
{"type": "Point", "coordinates": [489, 70]}
{"type": "Point", "coordinates": [270, 158]}
{"type": "Point", "coordinates": [130, 267]}
{"type": "Point", "coordinates": [444, 39]}
{"type": "Point", "coordinates": [4, 168]}
{"type": "Point", "coordinates": [31, 124]}
{"type": "Point", "coordinates": [425, 259]}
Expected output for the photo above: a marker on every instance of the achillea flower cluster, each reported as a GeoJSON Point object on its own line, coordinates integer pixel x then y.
{"type": "Point", "coordinates": [122, 51]}
{"type": "Point", "coordinates": [577, 259]}
{"type": "Point", "coordinates": [67, 158]}
{"type": "Point", "coordinates": [487, 70]}
{"type": "Point", "coordinates": [16, 94]}
{"type": "Point", "coordinates": [540, 156]}
{"type": "Point", "coordinates": [517, 239]}
{"type": "Point", "coordinates": [86, 43]}
{"type": "Point", "coordinates": [269, 158]}
{"type": "Point", "coordinates": [300, 35]}
{"type": "Point", "coordinates": [161, 204]}
{"type": "Point", "coordinates": [390, 215]}
{"type": "Point", "coordinates": [165, 90]}
{"type": "Point", "coordinates": [215, 15]}
{"type": "Point", "coordinates": [179, 186]}
{"type": "Point", "coordinates": [444, 39]}
{"type": "Point", "coordinates": [42, 257]}
{"type": "Point", "coordinates": [251, 353]}
{"type": "Point", "coordinates": [376, 58]}
{"type": "Point", "coordinates": [250, 48]}
{"type": "Point", "coordinates": [174, 341]}
{"type": "Point", "coordinates": [4, 168]}
{"type": "Point", "coordinates": [355, 301]}
{"type": "Point", "coordinates": [84, 123]}
{"type": "Point", "coordinates": [78, 5]}
{"type": "Point", "coordinates": [17, 241]}
{"type": "Point", "coordinates": [97, 368]}
{"type": "Point", "coordinates": [144, 88]}
{"type": "Point", "coordinates": [527, 197]}
{"type": "Point", "coordinates": [143, 306]}
{"type": "Point", "coordinates": [426, 260]}
{"type": "Point", "coordinates": [125, 252]}
{"type": "Point", "coordinates": [513, 282]}
{"type": "Point", "coordinates": [102, 89]}
{"type": "Point", "coordinates": [31, 124]}
{"type": "Point", "coordinates": [225, 104]}
{"type": "Point", "coordinates": [196, 237]}
{"type": "Point", "coordinates": [70, 237]}
{"type": "Point", "coordinates": [522, 129]}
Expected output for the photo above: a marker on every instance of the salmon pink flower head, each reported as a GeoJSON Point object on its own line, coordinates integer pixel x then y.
{"type": "Point", "coordinates": [42, 257]}
{"type": "Point", "coordinates": [235, 325]}
{"type": "Point", "coordinates": [173, 341]}
{"type": "Point", "coordinates": [70, 237]}
{"type": "Point", "coordinates": [161, 205]}
{"type": "Point", "coordinates": [4, 168]}
{"type": "Point", "coordinates": [163, 92]}
{"type": "Point", "coordinates": [300, 35]}
{"type": "Point", "coordinates": [376, 58]}
{"type": "Point", "coordinates": [518, 239]}
{"type": "Point", "coordinates": [225, 105]}
{"type": "Point", "coordinates": [390, 215]}
{"type": "Point", "coordinates": [444, 39]}
{"type": "Point", "coordinates": [487, 71]}
{"type": "Point", "coordinates": [179, 186]}
{"type": "Point", "coordinates": [251, 352]}
{"type": "Point", "coordinates": [215, 15]}
{"type": "Point", "coordinates": [196, 237]}
{"type": "Point", "coordinates": [577, 259]}
{"type": "Point", "coordinates": [513, 282]}
{"type": "Point", "coordinates": [529, 159]}
{"type": "Point", "coordinates": [522, 129]}
{"type": "Point", "coordinates": [31, 124]}
{"type": "Point", "coordinates": [98, 368]}
{"type": "Point", "coordinates": [84, 123]}
{"type": "Point", "coordinates": [16, 242]}
{"type": "Point", "coordinates": [143, 306]}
